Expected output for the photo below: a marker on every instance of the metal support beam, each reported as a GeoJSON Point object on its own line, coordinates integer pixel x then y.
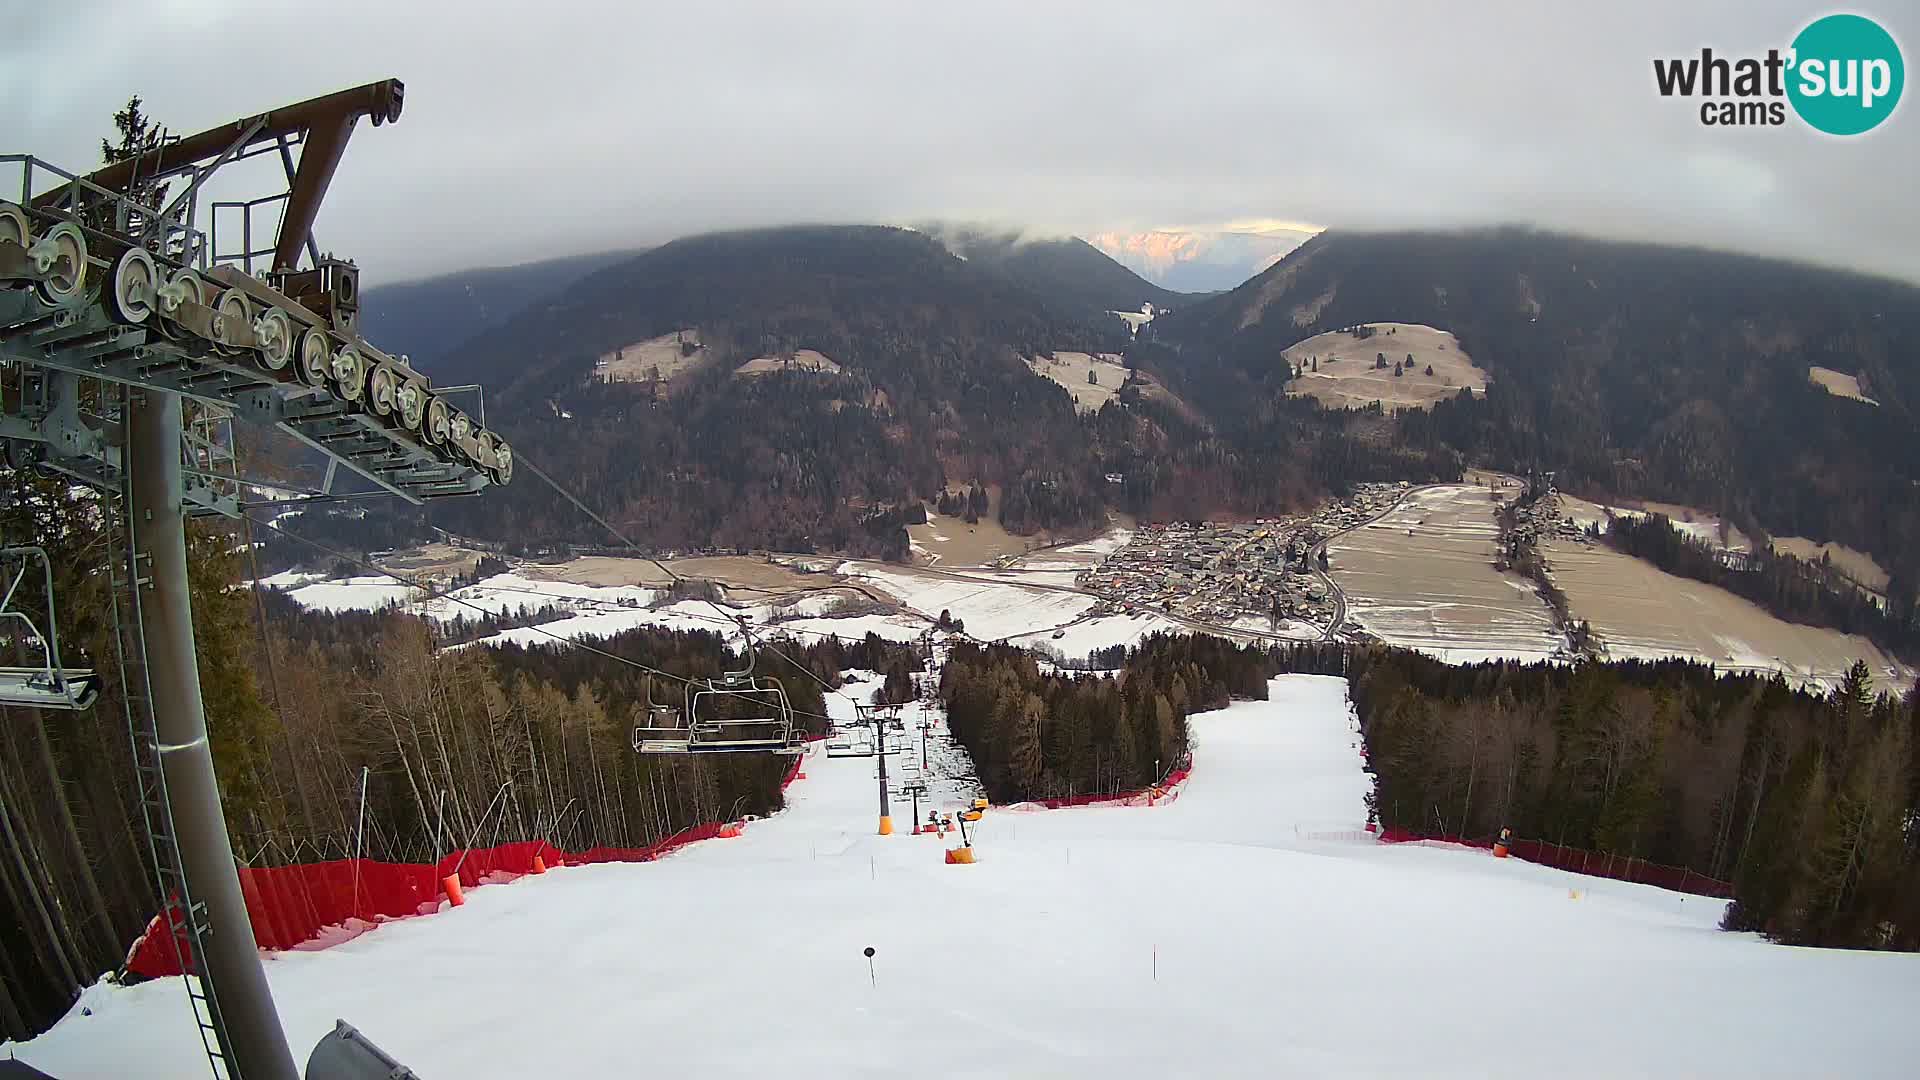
{"type": "Point", "coordinates": [326, 141]}
{"type": "Point", "coordinates": [232, 958]}
{"type": "Point", "coordinates": [381, 100]}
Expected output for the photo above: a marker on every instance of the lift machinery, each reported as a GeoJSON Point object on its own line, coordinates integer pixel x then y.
{"type": "Point", "coordinates": [130, 339]}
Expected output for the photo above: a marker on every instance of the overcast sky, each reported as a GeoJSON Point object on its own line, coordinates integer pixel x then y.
{"type": "Point", "coordinates": [547, 127]}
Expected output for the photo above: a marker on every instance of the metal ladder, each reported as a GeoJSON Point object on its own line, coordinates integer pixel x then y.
{"type": "Point", "coordinates": [189, 932]}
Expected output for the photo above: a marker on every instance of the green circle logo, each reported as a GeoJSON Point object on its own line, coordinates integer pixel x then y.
{"type": "Point", "coordinates": [1846, 74]}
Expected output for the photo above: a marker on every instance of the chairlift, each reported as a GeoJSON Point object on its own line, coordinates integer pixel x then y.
{"type": "Point", "coordinates": [51, 685]}
{"type": "Point", "coordinates": [850, 746]}
{"type": "Point", "coordinates": [734, 714]}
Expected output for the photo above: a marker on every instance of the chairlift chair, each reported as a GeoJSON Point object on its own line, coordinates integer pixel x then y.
{"type": "Point", "coordinates": [51, 685]}
{"type": "Point", "coordinates": [850, 747]}
{"type": "Point", "coordinates": [734, 714]}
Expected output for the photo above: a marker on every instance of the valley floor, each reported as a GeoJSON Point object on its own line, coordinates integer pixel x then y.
{"type": "Point", "coordinates": [1209, 936]}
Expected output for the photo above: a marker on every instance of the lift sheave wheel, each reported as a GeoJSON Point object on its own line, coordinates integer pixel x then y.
{"type": "Point", "coordinates": [62, 256]}
{"type": "Point", "coordinates": [413, 405]}
{"type": "Point", "coordinates": [135, 287]}
{"type": "Point", "coordinates": [382, 386]}
{"type": "Point", "coordinates": [502, 468]}
{"type": "Point", "coordinates": [183, 287]}
{"type": "Point", "coordinates": [439, 422]}
{"type": "Point", "coordinates": [273, 335]}
{"type": "Point", "coordinates": [235, 315]}
{"type": "Point", "coordinates": [313, 358]}
{"type": "Point", "coordinates": [349, 372]}
{"type": "Point", "coordinates": [13, 225]}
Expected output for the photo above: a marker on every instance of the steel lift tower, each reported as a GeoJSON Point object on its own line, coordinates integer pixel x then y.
{"type": "Point", "coordinates": [129, 341]}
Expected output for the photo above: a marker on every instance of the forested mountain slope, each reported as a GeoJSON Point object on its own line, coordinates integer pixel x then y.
{"type": "Point", "coordinates": [928, 385]}
{"type": "Point", "coordinates": [1666, 373]}
{"type": "Point", "coordinates": [429, 318]}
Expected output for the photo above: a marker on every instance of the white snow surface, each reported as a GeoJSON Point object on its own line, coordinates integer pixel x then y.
{"type": "Point", "coordinates": [1081, 556]}
{"type": "Point", "coordinates": [1202, 937]}
{"type": "Point", "coordinates": [991, 610]}
{"type": "Point", "coordinates": [600, 610]}
{"type": "Point", "coordinates": [369, 593]}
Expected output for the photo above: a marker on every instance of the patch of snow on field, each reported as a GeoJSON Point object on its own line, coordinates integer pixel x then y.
{"type": "Point", "coordinates": [1082, 556]}
{"type": "Point", "coordinates": [990, 610]}
{"type": "Point", "coordinates": [854, 628]}
{"type": "Point", "coordinates": [599, 611]}
{"type": "Point", "coordinates": [369, 593]}
{"type": "Point", "coordinates": [1082, 638]}
{"type": "Point", "coordinates": [1202, 937]}
{"type": "Point", "coordinates": [510, 592]}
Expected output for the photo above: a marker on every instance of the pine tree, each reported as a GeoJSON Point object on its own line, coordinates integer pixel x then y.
{"type": "Point", "coordinates": [137, 134]}
{"type": "Point", "coordinates": [1024, 750]}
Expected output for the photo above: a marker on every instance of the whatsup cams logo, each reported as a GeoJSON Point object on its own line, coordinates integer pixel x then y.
{"type": "Point", "coordinates": [1842, 75]}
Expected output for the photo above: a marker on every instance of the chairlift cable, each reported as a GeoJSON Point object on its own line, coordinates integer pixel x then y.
{"type": "Point", "coordinates": [437, 594]}
{"type": "Point", "coordinates": [622, 537]}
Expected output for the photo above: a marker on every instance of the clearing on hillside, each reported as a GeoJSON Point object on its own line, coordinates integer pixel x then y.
{"type": "Point", "coordinates": [1838, 383]}
{"type": "Point", "coordinates": [1072, 370]}
{"type": "Point", "coordinates": [1858, 565]}
{"type": "Point", "coordinates": [659, 358]}
{"type": "Point", "coordinates": [1348, 378]}
{"type": "Point", "coordinates": [950, 541]}
{"type": "Point", "coordinates": [1702, 525]}
{"type": "Point", "coordinates": [801, 360]}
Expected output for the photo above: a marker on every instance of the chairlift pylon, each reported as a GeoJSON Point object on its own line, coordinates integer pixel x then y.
{"type": "Point", "coordinates": [737, 713]}
{"type": "Point", "coordinates": [51, 685]}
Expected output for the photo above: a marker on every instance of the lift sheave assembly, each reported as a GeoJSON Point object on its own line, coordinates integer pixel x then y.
{"type": "Point", "coordinates": [131, 338]}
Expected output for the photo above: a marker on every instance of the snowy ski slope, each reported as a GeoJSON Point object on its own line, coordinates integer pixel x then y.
{"type": "Point", "coordinates": [1203, 937]}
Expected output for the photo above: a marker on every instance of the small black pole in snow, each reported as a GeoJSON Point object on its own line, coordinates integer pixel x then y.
{"type": "Point", "coordinates": [872, 980]}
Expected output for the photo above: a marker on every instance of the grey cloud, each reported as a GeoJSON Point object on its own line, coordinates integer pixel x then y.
{"type": "Point", "coordinates": [537, 129]}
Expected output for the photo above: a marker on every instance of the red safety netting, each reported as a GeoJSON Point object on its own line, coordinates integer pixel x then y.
{"type": "Point", "coordinates": [1581, 861]}
{"type": "Point", "coordinates": [1166, 792]}
{"type": "Point", "coordinates": [314, 905]}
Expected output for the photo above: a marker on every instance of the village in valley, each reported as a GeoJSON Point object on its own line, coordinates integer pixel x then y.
{"type": "Point", "coordinates": [1227, 572]}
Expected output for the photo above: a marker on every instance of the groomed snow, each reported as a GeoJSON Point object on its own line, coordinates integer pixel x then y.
{"type": "Point", "coordinates": [1203, 937]}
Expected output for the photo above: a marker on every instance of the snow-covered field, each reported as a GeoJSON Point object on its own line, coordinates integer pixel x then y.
{"type": "Point", "coordinates": [1075, 557]}
{"type": "Point", "coordinates": [991, 609]}
{"type": "Point", "coordinates": [598, 610]}
{"type": "Point", "coordinates": [1004, 605]}
{"type": "Point", "coordinates": [1202, 937]}
{"type": "Point", "coordinates": [1422, 577]}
